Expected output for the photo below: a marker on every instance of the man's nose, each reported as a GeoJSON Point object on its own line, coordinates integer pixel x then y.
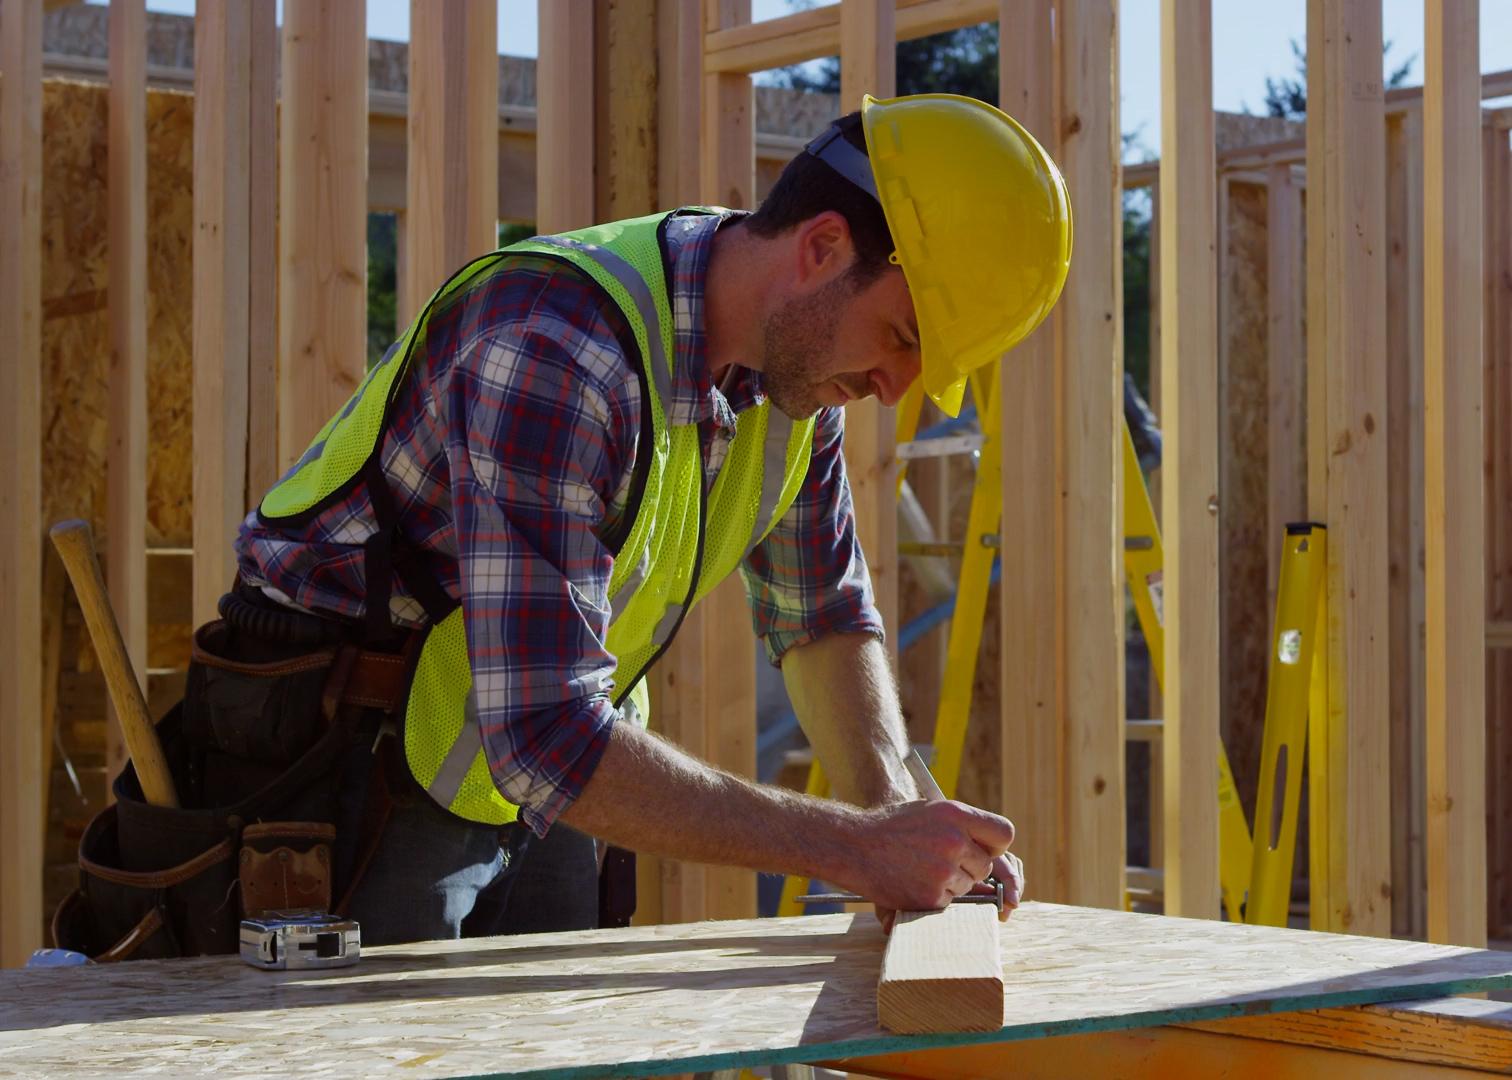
{"type": "Point", "coordinates": [891, 382]}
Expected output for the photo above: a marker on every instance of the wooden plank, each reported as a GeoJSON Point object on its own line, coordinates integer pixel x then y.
{"type": "Point", "coordinates": [21, 480]}
{"type": "Point", "coordinates": [1349, 749]}
{"type": "Point", "coordinates": [1091, 412]}
{"type": "Point", "coordinates": [1404, 340]}
{"type": "Point", "coordinates": [1286, 455]}
{"type": "Point", "coordinates": [942, 971]}
{"type": "Point", "coordinates": [453, 162]}
{"type": "Point", "coordinates": [222, 88]}
{"type": "Point", "coordinates": [1453, 493]}
{"type": "Point", "coordinates": [322, 295]}
{"type": "Point", "coordinates": [868, 66]}
{"type": "Point", "coordinates": [1189, 465]}
{"type": "Point", "coordinates": [262, 252]}
{"type": "Point", "coordinates": [625, 111]}
{"type": "Point", "coordinates": [564, 116]}
{"type": "Point", "coordinates": [1145, 1054]}
{"type": "Point", "coordinates": [809, 35]}
{"type": "Point", "coordinates": [1032, 665]}
{"type": "Point", "coordinates": [679, 47]}
{"type": "Point", "coordinates": [1463, 1033]}
{"type": "Point", "coordinates": [126, 472]}
{"type": "Point", "coordinates": [638, 1001]}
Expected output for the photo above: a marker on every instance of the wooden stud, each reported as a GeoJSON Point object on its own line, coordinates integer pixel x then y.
{"type": "Point", "coordinates": [867, 66]}
{"type": "Point", "coordinates": [126, 470]}
{"type": "Point", "coordinates": [942, 972]}
{"type": "Point", "coordinates": [1032, 663]}
{"type": "Point", "coordinates": [1404, 388]}
{"type": "Point", "coordinates": [222, 89]}
{"type": "Point", "coordinates": [1091, 412]}
{"type": "Point", "coordinates": [1189, 328]}
{"type": "Point", "coordinates": [1349, 748]}
{"type": "Point", "coordinates": [21, 478]}
{"type": "Point", "coordinates": [322, 297]}
{"type": "Point", "coordinates": [1286, 356]}
{"type": "Point", "coordinates": [453, 164]}
{"type": "Point", "coordinates": [564, 117]}
{"type": "Point", "coordinates": [625, 109]}
{"type": "Point", "coordinates": [1453, 493]}
{"type": "Point", "coordinates": [679, 46]}
{"type": "Point", "coordinates": [262, 252]}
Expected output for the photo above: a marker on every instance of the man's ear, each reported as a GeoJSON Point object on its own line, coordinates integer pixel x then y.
{"type": "Point", "coordinates": [825, 249]}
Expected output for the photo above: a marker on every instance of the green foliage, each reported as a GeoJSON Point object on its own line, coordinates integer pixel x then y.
{"type": "Point", "coordinates": [1136, 288]}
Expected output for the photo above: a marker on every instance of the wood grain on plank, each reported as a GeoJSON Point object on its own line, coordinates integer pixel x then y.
{"type": "Point", "coordinates": [1091, 369]}
{"type": "Point", "coordinates": [1189, 419]}
{"type": "Point", "coordinates": [322, 297]}
{"type": "Point", "coordinates": [564, 116]}
{"type": "Point", "coordinates": [1453, 472]}
{"type": "Point", "coordinates": [126, 482]}
{"type": "Point", "coordinates": [20, 478]}
{"type": "Point", "coordinates": [942, 971]}
{"type": "Point", "coordinates": [1032, 618]}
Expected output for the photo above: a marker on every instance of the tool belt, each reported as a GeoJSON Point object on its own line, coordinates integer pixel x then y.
{"type": "Point", "coordinates": [281, 710]}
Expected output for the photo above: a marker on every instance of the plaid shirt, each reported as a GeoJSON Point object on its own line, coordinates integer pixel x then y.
{"type": "Point", "coordinates": [510, 458]}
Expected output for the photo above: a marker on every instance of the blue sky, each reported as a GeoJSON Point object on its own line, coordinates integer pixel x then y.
{"type": "Point", "coordinates": [1250, 41]}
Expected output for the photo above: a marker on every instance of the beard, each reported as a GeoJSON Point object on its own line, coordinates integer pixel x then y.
{"type": "Point", "coordinates": [798, 340]}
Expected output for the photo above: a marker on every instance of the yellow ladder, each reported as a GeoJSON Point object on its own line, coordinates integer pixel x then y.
{"type": "Point", "coordinates": [1144, 561]}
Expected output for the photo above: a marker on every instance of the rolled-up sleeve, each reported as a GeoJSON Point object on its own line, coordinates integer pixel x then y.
{"type": "Point", "coordinates": [533, 467]}
{"type": "Point", "coordinates": [808, 578]}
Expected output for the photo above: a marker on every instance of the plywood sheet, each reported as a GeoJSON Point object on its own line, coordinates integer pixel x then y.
{"type": "Point", "coordinates": [666, 999]}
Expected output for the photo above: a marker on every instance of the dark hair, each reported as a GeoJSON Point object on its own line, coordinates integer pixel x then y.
{"type": "Point", "coordinates": [808, 187]}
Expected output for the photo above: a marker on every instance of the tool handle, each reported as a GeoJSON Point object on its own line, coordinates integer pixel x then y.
{"type": "Point", "coordinates": [76, 548]}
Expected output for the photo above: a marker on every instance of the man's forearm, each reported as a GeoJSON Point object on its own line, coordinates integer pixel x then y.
{"type": "Point", "coordinates": [648, 795]}
{"type": "Point", "coordinates": [842, 689]}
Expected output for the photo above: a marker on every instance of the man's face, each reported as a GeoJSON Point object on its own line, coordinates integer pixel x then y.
{"type": "Point", "coordinates": [837, 342]}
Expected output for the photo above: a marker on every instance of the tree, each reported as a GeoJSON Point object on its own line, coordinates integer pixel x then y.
{"type": "Point", "coordinates": [1287, 97]}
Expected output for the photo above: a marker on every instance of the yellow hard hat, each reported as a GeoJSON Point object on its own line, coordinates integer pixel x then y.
{"type": "Point", "coordinates": [980, 218]}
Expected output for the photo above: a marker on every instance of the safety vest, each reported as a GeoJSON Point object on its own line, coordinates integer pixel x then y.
{"type": "Point", "coordinates": [683, 539]}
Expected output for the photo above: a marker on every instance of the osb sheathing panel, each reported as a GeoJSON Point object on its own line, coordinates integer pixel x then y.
{"type": "Point", "coordinates": [1243, 413]}
{"type": "Point", "coordinates": [75, 330]}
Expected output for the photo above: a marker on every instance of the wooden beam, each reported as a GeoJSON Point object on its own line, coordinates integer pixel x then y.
{"type": "Point", "coordinates": [1091, 372]}
{"type": "Point", "coordinates": [1404, 389]}
{"type": "Point", "coordinates": [625, 109]}
{"type": "Point", "coordinates": [1453, 471]}
{"type": "Point", "coordinates": [126, 423]}
{"type": "Point", "coordinates": [809, 35]}
{"type": "Point", "coordinates": [564, 123]}
{"type": "Point", "coordinates": [1286, 349]}
{"type": "Point", "coordinates": [323, 228]}
{"type": "Point", "coordinates": [222, 90]}
{"type": "Point", "coordinates": [1033, 620]}
{"type": "Point", "coordinates": [262, 252]}
{"type": "Point", "coordinates": [1189, 420]}
{"type": "Point", "coordinates": [1349, 747]}
{"type": "Point", "coordinates": [453, 161]}
{"type": "Point", "coordinates": [867, 66]}
{"type": "Point", "coordinates": [679, 50]}
{"type": "Point", "coordinates": [942, 972]}
{"type": "Point", "coordinates": [21, 478]}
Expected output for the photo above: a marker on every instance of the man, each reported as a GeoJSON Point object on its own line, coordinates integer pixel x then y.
{"type": "Point", "coordinates": [577, 438]}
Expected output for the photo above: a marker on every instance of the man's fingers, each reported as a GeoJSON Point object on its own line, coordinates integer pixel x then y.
{"type": "Point", "coordinates": [992, 831]}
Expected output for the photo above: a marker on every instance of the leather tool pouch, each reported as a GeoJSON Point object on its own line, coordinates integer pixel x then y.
{"type": "Point", "coordinates": [285, 865]}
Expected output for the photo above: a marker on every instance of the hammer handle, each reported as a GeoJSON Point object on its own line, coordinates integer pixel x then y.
{"type": "Point", "coordinates": [76, 547]}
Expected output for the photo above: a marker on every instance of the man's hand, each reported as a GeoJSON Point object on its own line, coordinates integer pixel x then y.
{"type": "Point", "coordinates": [918, 856]}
